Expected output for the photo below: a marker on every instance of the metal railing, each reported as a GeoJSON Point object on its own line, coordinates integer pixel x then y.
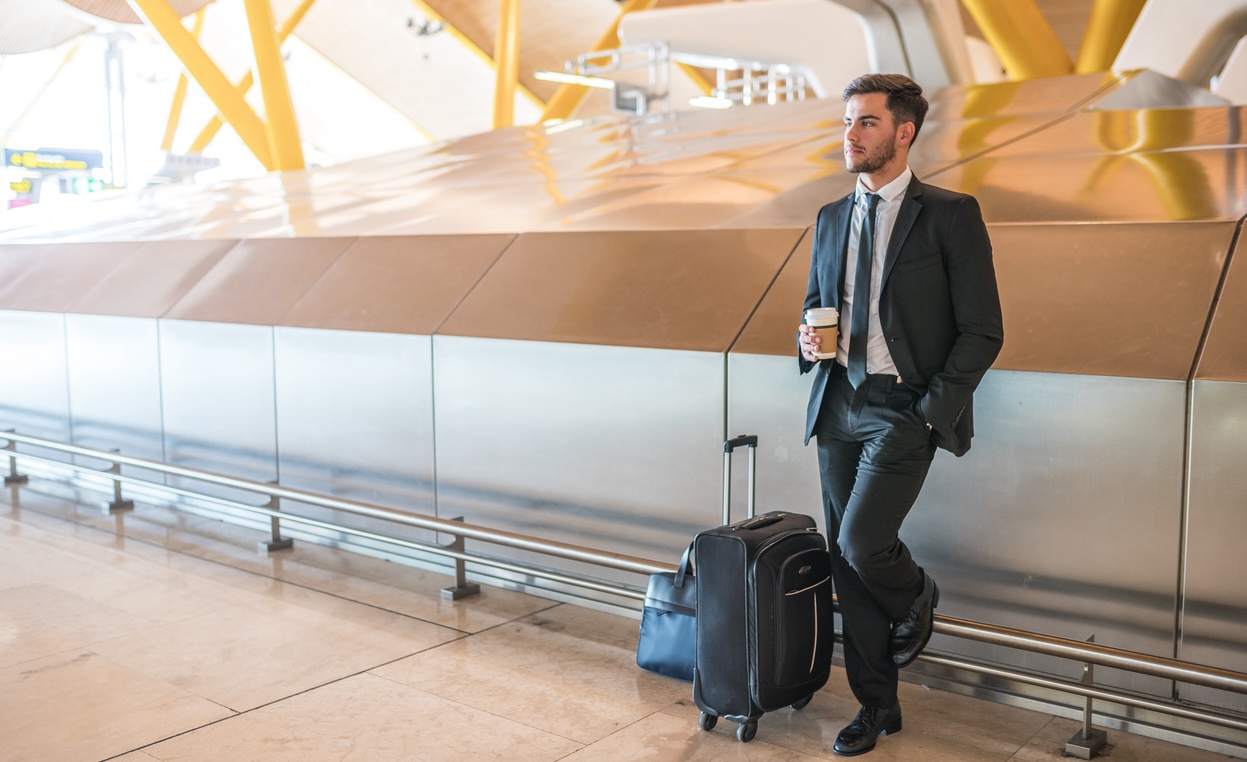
{"type": "Point", "coordinates": [1087, 653]}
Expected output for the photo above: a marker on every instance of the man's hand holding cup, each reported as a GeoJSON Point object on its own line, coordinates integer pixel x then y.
{"type": "Point", "coordinates": [820, 333]}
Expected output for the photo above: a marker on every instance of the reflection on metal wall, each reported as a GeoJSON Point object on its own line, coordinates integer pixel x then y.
{"type": "Point", "coordinates": [219, 412]}
{"type": "Point", "coordinates": [1214, 630]}
{"type": "Point", "coordinates": [551, 329]}
{"type": "Point", "coordinates": [1214, 598]}
{"type": "Point", "coordinates": [1065, 518]}
{"type": "Point", "coordinates": [33, 378]}
{"type": "Point", "coordinates": [611, 447]}
{"type": "Point", "coordinates": [114, 386]}
{"type": "Point", "coordinates": [355, 419]}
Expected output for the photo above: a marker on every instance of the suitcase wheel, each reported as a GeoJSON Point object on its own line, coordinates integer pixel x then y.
{"type": "Point", "coordinates": [746, 731]}
{"type": "Point", "coordinates": [707, 721]}
{"type": "Point", "coordinates": [801, 704]}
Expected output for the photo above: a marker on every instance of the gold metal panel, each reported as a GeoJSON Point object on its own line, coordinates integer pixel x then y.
{"type": "Point", "coordinates": [259, 280]}
{"type": "Point", "coordinates": [15, 259]}
{"type": "Point", "coordinates": [54, 278]}
{"type": "Point", "coordinates": [152, 278]}
{"type": "Point", "coordinates": [1107, 300]}
{"type": "Point", "coordinates": [687, 289]}
{"type": "Point", "coordinates": [1132, 131]}
{"type": "Point", "coordinates": [772, 329]}
{"type": "Point", "coordinates": [1110, 300]}
{"type": "Point", "coordinates": [1207, 184]}
{"type": "Point", "coordinates": [1225, 352]}
{"type": "Point", "coordinates": [1051, 95]}
{"type": "Point", "coordinates": [397, 284]}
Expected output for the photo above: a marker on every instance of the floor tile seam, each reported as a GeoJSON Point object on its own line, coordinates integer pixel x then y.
{"type": "Point", "coordinates": [233, 712]}
{"type": "Point", "coordinates": [481, 709]}
{"type": "Point", "coordinates": [617, 731]}
{"type": "Point", "coordinates": [187, 554]}
{"type": "Point", "coordinates": [552, 605]}
{"type": "Point", "coordinates": [250, 710]}
{"type": "Point", "coordinates": [1026, 743]}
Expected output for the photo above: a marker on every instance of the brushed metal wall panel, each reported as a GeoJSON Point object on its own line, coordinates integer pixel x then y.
{"type": "Point", "coordinates": [689, 289]}
{"type": "Point", "coordinates": [1214, 628]}
{"type": "Point", "coordinates": [34, 380]}
{"type": "Point", "coordinates": [1225, 352]}
{"type": "Point", "coordinates": [1064, 518]}
{"type": "Point", "coordinates": [218, 399]}
{"type": "Point", "coordinates": [616, 448]}
{"type": "Point", "coordinates": [259, 280]}
{"type": "Point", "coordinates": [114, 386]}
{"type": "Point", "coordinates": [767, 396]}
{"type": "Point", "coordinates": [397, 284]}
{"type": "Point", "coordinates": [355, 419]}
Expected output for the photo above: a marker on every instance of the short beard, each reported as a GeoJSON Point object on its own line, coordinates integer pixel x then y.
{"type": "Point", "coordinates": [873, 162]}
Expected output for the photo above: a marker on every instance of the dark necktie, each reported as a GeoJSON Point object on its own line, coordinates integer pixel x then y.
{"type": "Point", "coordinates": [859, 327]}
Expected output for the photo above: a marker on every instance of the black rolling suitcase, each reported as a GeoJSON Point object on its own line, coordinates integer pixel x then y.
{"type": "Point", "coordinates": [764, 634]}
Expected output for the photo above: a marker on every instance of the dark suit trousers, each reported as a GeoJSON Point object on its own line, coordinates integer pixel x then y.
{"type": "Point", "coordinates": [874, 452]}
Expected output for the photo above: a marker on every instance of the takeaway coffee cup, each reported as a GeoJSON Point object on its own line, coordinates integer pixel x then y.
{"type": "Point", "coordinates": [826, 324]}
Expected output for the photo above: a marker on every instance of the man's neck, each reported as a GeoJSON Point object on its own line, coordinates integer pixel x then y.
{"type": "Point", "coordinates": [876, 180]}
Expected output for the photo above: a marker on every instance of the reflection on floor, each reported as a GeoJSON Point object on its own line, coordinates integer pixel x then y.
{"type": "Point", "coordinates": [157, 636]}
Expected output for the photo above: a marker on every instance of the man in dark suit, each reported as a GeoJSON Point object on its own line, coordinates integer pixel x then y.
{"type": "Point", "coordinates": [909, 267]}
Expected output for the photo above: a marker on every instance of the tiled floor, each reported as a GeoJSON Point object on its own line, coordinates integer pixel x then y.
{"type": "Point", "coordinates": [156, 636]}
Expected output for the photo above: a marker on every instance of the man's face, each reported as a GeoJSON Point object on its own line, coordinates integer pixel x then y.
{"type": "Point", "coordinates": [870, 135]}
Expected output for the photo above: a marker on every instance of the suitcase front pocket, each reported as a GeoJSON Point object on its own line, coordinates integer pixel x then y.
{"type": "Point", "coordinates": [802, 635]}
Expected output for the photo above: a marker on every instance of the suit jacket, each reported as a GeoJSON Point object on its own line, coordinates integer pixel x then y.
{"type": "Point", "coordinates": [939, 305]}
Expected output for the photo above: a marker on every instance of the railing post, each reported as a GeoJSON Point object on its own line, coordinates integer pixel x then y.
{"type": "Point", "coordinates": [462, 588]}
{"type": "Point", "coordinates": [118, 502]}
{"type": "Point", "coordinates": [1088, 741]}
{"type": "Point", "coordinates": [13, 478]}
{"type": "Point", "coordinates": [275, 541]}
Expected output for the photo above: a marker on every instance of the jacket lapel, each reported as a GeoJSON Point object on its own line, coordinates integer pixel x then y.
{"type": "Point", "coordinates": [905, 218]}
{"type": "Point", "coordinates": [843, 221]}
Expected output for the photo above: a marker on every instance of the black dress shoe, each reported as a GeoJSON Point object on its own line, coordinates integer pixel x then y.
{"type": "Point", "coordinates": [860, 734]}
{"type": "Point", "coordinates": [911, 634]}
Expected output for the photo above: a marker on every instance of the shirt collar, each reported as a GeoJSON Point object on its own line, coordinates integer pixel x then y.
{"type": "Point", "coordinates": [889, 192]}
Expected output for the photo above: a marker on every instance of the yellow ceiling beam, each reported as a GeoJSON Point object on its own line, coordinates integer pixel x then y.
{"type": "Point", "coordinates": [281, 126]}
{"type": "Point", "coordinates": [1021, 37]}
{"type": "Point", "coordinates": [243, 85]}
{"type": "Point", "coordinates": [160, 16]}
{"type": "Point", "coordinates": [568, 98]}
{"type": "Point", "coordinates": [471, 46]}
{"type": "Point", "coordinates": [506, 62]}
{"type": "Point", "coordinates": [1107, 28]}
{"type": "Point", "coordinates": [179, 93]}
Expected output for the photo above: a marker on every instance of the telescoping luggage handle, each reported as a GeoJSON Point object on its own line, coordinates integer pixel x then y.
{"type": "Point", "coordinates": [750, 441]}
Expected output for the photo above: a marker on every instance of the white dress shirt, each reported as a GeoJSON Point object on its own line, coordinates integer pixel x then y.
{"type": "Point", "coordinates": [878, 358]}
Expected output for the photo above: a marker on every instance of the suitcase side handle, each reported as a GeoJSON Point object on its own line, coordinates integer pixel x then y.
{"type": "Point", "coordinates": [744, 440]}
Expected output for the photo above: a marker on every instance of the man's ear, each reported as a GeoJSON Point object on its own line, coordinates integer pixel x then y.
{"type": "Point", "coordinates": [905, 133]}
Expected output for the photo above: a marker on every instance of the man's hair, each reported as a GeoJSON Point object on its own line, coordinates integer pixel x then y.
{"type": "Point", "coordinates": [905, 100]}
